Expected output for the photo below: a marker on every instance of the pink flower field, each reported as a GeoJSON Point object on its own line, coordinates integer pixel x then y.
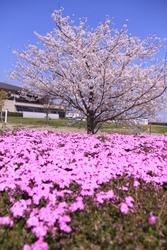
{"type": "Point", "coordinates": [50, 178]}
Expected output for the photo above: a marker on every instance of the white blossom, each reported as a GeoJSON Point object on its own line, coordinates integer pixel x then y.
{"type": "Point", "coordinates": [101, 72]}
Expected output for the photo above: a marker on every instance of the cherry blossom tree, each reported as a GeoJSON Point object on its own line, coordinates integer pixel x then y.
{"type": "Point", "coordinates": [103, 73]}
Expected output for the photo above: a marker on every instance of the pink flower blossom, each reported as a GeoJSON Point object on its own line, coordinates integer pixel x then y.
{"type": "Point", "coordinates": [6, 221]}
{"type": "Point", "coordinates": [40, 245]}
{"type": "Point", "coordinates": [64, 218]}
{"type": "Point", "coordinates": [12, 200]}
{"type": "Point", "coordinates": [125, 188]}
{"type": "Point", "coordinates": [40, 230]}
{"type": "Point", "coordinates": [76, 205]}
{"type": "Point", "coordinates": [152, 219]}
{"type": "Point", "coordinates": [32, 221]}
{"type": "Point", "coordinates": [19, 208]}
{"type": "Point", "coordinates": [26, 247]}
{"type": "Point", "coordinates": [136, 184]}
{"type": "Point", "coordinates": [46, 167]}
{"type": "Point", "coordinates": [64, 227]}
{"type": "Point", "coordinates": [124, 208]}
{"type": "Point", "coordinates": [28, 202]}
{"type": "Point", "coordinates": [102, 196]}
{"type": "Point", "coordinates": [128, 201]}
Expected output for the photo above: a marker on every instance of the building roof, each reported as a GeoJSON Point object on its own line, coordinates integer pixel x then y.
{"type": "Point", "coordinates": [9, 87]}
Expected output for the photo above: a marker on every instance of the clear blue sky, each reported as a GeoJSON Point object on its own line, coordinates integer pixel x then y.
{"type": "Point", "coordinates": [20, 18]}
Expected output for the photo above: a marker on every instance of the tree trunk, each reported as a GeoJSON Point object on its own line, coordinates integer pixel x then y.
{"type": "Point", "coordinates": [47, 118]}
{"type": "Point", "coordinates": [90, 116]}
{"type": "Point", "coordinates": [90, 123]}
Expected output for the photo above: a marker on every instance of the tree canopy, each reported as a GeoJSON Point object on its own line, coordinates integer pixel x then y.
{"type": "Point", "coordinates": [103, 73]}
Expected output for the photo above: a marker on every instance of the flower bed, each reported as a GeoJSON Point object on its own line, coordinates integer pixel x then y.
{"type": "Point", "coordinates": [49, 176]}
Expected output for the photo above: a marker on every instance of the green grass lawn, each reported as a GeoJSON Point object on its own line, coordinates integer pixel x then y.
{"type": "Point", "coordinates": [107, 127]}
{"type": "Point", "coordinates": [36, 121]}
{"type": "Point", "coordinates": [53, 122]}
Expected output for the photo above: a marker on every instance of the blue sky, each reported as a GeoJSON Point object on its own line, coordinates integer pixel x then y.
{"type": "Point", "coordinates": [20, 18]}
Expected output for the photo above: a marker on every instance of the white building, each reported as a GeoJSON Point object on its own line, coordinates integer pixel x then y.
{"type": "Point", "coordinates": [142, 121]}
{"type": "Point", "coordinates": [32, 109]}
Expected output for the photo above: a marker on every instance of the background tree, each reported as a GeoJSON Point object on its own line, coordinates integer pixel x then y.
{"type": "Point", "coordinates": [3, 98]}
{"type": "Point", "coordinates": [48, 104]}
{"type": "Point", "coordinates": [102, 73]}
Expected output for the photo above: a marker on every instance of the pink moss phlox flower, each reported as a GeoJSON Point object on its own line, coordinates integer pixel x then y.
{"type": "Point", "coordinates": [62, 223]}
{"type": "Point", "coordinates": [136, 184]}
{"type": "Point", "coordinates": [124, 188]}
{"type": "Point", "coordinates": [32, 222]}
{"type": "Point", "coordinates": [110, 194]}
{"type": "Point", "coordinates": [101, 196]}
{"type": "Point", "coordinates": [62, 206]}
{"type": "Point", "coordinates": [41, 163]}
{"type": "Point", "coordinates": [87, 192]}
{"type": "Point", "coordinates": [12, 200]}
{"type": "Point", "coordinates": [6, 220]}
{"type": "Point", "coordinates": [65, 218]}
{"type": "Point", "coordinates": [36, 199]}
{"type": "Point", "coordinates": [19, 208]}
{"type": "Point", "coordinates": [40, 245]}
{"type": "Point", "coordinates": [27, 247]}
{"type": "Point", "coordinates": [35, 211]}
{"type": "Point", "coordinates": [124, 208]}
{"type": "Point", "coordinates": [28, 202]}
{"type": "Point", "coordinates": [100, 199]}
{"type": "Point", "coordinates": [64, 227]}
{"type": "Point", "coordinates": [128, 201]}
{"type": "Point", "coordinates": [45, 214]}
{"type": "Point", "coordinates": [40, 230]}
{"type": "Point", "coordinates": [3, 186]}
{"type": "Point", "coordinates": [152, 219]}
{"type": "Point", "coordinates": [77, 205]}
